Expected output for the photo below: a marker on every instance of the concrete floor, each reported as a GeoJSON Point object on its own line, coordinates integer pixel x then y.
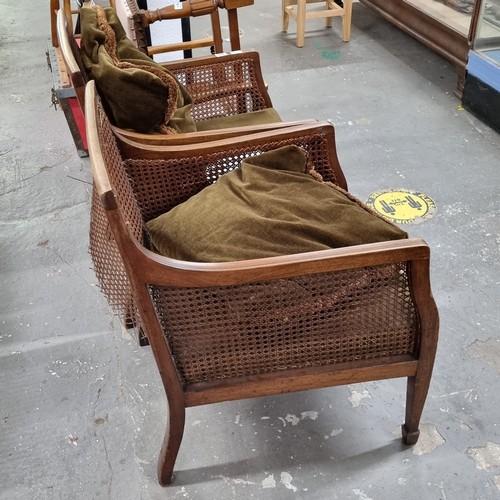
{"type": "Point", "coordinates": [82, 412]}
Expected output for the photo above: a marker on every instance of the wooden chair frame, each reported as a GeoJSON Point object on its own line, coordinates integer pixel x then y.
{"type": "Point", "coordinates": [192, 8]}
{"type": "Point", "coordinates": [151, 274]}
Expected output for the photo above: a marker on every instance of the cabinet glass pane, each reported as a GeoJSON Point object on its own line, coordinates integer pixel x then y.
{"type": "Point", "coordinates": [456, 14]}
{"type": "Point", "coordinates": [488, 30]}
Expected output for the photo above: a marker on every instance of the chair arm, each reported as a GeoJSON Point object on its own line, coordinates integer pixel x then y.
{"type": "Point", "coordinates": [130, 139]}
{"type": "Point", "coordinates": [159, 270]}
{"type": "Point", "coordinates": [220, 78]}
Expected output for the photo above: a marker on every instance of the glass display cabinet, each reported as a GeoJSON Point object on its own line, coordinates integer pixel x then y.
{"type": "Point", "coordinates": [445, 26]}
{"type": "Point", "coordinates": [482, 83]}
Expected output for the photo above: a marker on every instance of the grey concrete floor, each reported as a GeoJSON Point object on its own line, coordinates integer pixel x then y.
{"type": "Point", "coordinates": [82, 411]}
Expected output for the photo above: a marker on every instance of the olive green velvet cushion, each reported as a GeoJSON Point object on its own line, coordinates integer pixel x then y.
{"type": "Point", "coordinates": [260, 117]}
{"type": "Point", "coordinates": [267, 207]}
{"type": "Point", "coordinates": [133, 98]}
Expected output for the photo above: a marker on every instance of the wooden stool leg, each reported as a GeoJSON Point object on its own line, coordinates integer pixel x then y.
{"type": "Point", "coordinates": [329, 20]}
{"type": "Point", "coordinates": [301, 22]}
{"type": "Point", "coordinates": [346, 20]}
{"type": "Point", "coordinates": [285, 16]}
{"type": "Point", "coordinates": [171, 442]}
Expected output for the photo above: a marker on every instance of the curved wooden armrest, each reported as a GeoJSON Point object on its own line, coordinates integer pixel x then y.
{"type": "Point", "coordinates": [129, 138]}
{"type": "Point", "coordinates": [195, 73]}
{"type": "Point", "coordinates": [158, 151]}
{"type": "Point", "coordinates": [160, 270]}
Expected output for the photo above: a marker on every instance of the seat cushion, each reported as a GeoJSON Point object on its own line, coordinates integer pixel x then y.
{"type": "Point", "coordinates": [269, 206]}
{"type": "Point", "coordinates": [134, 98]}
{"type": "Point", "coordinates": [260, 117]}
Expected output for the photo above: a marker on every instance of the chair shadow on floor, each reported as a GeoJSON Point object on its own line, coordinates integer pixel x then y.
{"type": "Point", "coordinates": [283, 446]}
{"type": "Point", "coordinates": [262, 466]}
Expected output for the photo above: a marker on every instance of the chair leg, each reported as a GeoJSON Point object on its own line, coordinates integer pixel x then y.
{"type": "Point", "coordinates": [130, 323]}
{"type": "Point", "coordinates": [301, 22]}
{"type": "Point", "coordinates": [143, 338]}
{"type": "Point", "coordinates": [346, 21]}
{"type": "Point", "coordinates": [217, 32]}
{"type": "Point", "coordinates": [171, 442]}
{"type": "Point", "coordinates": [416, 394]}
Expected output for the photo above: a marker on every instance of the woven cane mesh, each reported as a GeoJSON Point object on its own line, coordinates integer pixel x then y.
{"type": "Point", "coordinates": [159, 185]}
{"type": "Point", "coordinates": [106, 259]}
{"type": "Point", "coordinates": [107, 262]}
{"type": "Point", "coordinates": [218, 89]}
{"type": "Point", "coordinates": [156, 186]}
{"type": "Point", "coordinates": [264, 327]}
{"type": "Point", "coordinates": [222, 89]}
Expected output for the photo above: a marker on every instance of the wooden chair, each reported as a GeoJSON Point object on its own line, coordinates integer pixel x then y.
{"type": "Point", "coordinates": [228, 331]}
{"type": "Point", "coordinates": [141, 19]}
{"type": "Point", "coordinates": [138, 21]}
{"type": "Point", "coordinates": [297, 9]}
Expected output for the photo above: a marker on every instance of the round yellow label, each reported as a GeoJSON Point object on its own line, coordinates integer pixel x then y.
{"type": "Point", "coordinates": [402, 206]}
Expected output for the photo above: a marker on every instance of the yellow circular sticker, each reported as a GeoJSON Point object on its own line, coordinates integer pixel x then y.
{"type": "Point", "coordinates": [402, 206]}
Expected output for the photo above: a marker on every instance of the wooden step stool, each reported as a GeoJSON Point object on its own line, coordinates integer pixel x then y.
{"type": "Point", "coordinates": [298, 10]}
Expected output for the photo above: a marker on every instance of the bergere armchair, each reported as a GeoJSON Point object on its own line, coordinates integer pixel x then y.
{"type": "Point", "coordinates": [222, 86]}
{"type": "Point", "coordinates": [223, 331]}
